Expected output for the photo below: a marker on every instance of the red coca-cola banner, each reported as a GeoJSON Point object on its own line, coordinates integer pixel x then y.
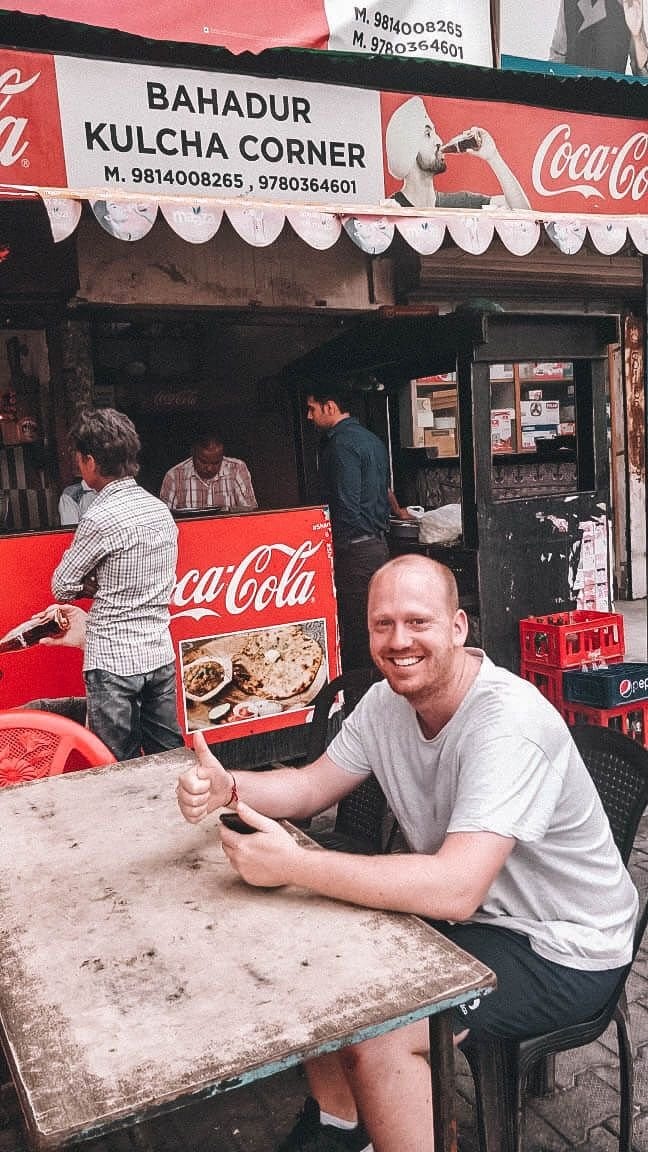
{"type": "Point", "coordinates": [31, 145]}
{"type": "Point", "coordinates": [107, 130]}
{"type": "Point", "coordinates": [253, 621]}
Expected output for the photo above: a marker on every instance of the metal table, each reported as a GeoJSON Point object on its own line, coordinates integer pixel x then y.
{"type": "Point", "coordinates": [139, 973]}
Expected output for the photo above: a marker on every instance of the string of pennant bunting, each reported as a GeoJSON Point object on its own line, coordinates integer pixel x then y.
{"type": "Point", "coordinates": [198, 221]}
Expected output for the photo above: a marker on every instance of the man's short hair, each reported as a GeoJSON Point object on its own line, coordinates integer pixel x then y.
{"type": "Point", "coordinates": [428, 569]}
{"type": "Point", "coordinates": [338, 391]}
{"type": "Point", "coordinates": [110, 438]}
{"type": "Point", "coordinates": [206, 437]}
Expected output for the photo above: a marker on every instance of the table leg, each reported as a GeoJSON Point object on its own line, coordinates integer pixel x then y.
{"type": "Point", "coordinates": [442, 1070]}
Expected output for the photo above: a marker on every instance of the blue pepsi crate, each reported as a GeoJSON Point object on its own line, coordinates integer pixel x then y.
{"type": "Point", "coordinates": [607, 687]}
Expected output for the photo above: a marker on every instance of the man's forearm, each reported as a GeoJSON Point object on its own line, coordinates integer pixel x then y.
{"type": "Point", "coordinates": [281, 793]}
{"type": "Point", "coordinates": [78, 562]}
{"type": "Point", "coordinates": [417, 884]}
{"type": "Point", "coordinates": [512, 190]}
{"type": "Point", "coordinates": [66, 585]}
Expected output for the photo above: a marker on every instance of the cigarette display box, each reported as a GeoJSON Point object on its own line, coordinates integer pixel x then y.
{"type": "Point", "coordinates": [502, 424]}
{"type": "Point", "coordinates": [536, 412]}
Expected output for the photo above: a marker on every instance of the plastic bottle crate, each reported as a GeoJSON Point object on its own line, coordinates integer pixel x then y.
{"type": "Point", "coordinates": [630, 719]}
{"type": "Point", "coordinates": [547, 680]}
{"type": "Point", "coordinates": [569, 639]}
{"type": "Point", "coordinates": [607, 687]}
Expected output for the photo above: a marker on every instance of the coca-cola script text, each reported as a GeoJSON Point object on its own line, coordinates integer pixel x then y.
{"type": "Point", "coordinates": [254, 583]}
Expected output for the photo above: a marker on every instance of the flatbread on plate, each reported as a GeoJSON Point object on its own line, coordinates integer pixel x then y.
{"type": "Point", "coordinates": [277, 664]}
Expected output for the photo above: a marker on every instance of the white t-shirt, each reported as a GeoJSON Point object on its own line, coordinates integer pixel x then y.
{"type": "Point", "coordinates": [74, 501]}
{"type": "Point", "coordinates": [505, 763]}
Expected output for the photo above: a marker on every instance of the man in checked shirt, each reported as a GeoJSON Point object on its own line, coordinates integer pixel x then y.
{"type": "Point", "coordinates": [123, 555]}
{"type": "Point", "coordinates": [209, 479]}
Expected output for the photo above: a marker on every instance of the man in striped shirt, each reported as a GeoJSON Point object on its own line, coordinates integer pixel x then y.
{"type": "Point", "coordinates": [124, 556]}
{"type": "Point", "coordinates": [209, 479]}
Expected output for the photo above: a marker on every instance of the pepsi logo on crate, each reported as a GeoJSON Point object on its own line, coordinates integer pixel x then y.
{"type": "Point", "coordinates": [607, 687]}
{"type": "Point", "coordinates": [633, 689]}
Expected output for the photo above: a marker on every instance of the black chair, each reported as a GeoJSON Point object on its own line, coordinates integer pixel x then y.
{"type": "Point", "coordinates": [363, 821]}
{"type": "Point", "coordinates": [502, 1069]}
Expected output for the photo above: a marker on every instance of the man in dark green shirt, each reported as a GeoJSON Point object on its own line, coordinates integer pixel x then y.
{"type": "Point", "coordinates": [354, 475]}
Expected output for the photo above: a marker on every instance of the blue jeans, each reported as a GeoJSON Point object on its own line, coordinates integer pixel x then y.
{"type": "Point", "coordinates": [134, 714]}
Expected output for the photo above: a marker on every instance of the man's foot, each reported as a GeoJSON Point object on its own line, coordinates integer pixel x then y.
{"type": "Point", "coordinates": [312, 1136]}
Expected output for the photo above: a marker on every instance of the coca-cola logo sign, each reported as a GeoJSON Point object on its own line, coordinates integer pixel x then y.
{"type": "Point", "coordinates": [13, 139]}
{"type": "Point", "coordinates": [31, 148]}
{"type": "Point", "coordinates": [593, 171]}
{"type": "Point", "coordinates": [270, 575]}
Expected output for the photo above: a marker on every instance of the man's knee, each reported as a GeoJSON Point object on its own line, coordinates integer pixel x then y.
{"type": "Point", "coordinates": [359, 1058]}
{"type": "Point", "coordinates": [370, 1055]}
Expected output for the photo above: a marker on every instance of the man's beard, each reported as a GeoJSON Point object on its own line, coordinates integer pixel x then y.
{"type": "Point", "coordinates": [434, 166]}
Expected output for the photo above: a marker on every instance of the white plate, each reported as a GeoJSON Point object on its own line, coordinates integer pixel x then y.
{"type": "Point", "coordinates": [255, 708]}
{"type": "Point", "coordinates": [225, 663]}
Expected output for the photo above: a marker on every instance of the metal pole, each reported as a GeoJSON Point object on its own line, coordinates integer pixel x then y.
{"type": "Point", "coordinates": [389, 442]}
{"type": "Point", "coordinates": [644, 271]}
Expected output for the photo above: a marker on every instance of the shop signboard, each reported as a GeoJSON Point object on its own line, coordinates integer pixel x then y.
{"type": "Point", "coordinates": [253, 621]}
{"type": "Point", "coordinates": [136, 134]}
{"type": "Point", "coordinates": [437, 30]}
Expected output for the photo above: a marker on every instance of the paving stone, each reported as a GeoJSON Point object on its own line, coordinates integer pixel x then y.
{"type": "Point", "coordinates": [573, 1063]}
{"type": "Point", "coordinates": [638, 1028]}
{"type": "Point", "coordinates": [251, 1119]}
{"type": "Point", "coordinates": [641, 841]}
{"type": "Point", "coordinates": [638, 1024]}
{"type": "Point", "coordinates": [637, 985]}
{"type": "Point", "coordinates": [466, 1124]}
{"type": "Point", "coordinates": [640, 965]}
{"type": "Point", "coordinates": [539, 1136]}
{"type": "Point", "coordinates": [575, 1111]}
{"type": "Point", "coordinates": [600, 1140]}
{"type": "Point", "coordinates": [464, 1080]}
{"type": "Point", "coordinates": [127, 1140]}
{"type": "Point", "coordinates": [12, 1142]}
{"type": "Point", "coordinates": [641, 1080]}
{"type": "Point", "coordinates": [640, 1134]}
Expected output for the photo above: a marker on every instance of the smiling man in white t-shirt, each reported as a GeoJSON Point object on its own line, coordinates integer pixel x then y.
{"type": "Point", "coordinates": [511, 854]}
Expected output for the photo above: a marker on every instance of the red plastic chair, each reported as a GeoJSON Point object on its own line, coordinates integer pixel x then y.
{"type": "Point", "coordinates": [35, 744]}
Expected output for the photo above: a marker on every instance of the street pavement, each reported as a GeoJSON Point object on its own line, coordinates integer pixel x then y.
{"type": "Point", "coordinates": [581, 1114]}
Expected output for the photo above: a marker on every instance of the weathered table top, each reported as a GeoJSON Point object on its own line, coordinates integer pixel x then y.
{"type": "Point", "coordinates": [137, 971]}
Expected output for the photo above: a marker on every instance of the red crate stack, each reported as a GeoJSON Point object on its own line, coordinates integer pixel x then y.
{"type": "Point", "coordinates": [631, 719]}
{"type": "Point", "coordinates": [571, 639]}
{"type": "Point", "coordinates": [550, 645]}
{"type": "Point", "coordinates": [547, 680]}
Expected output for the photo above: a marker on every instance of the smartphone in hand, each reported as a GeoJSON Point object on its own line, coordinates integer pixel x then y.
{"type": "Point", "coordinates": [233, 821]}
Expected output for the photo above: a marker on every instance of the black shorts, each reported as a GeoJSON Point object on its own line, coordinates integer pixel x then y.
{"type": "Point", "coordinates": [533, 995]}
